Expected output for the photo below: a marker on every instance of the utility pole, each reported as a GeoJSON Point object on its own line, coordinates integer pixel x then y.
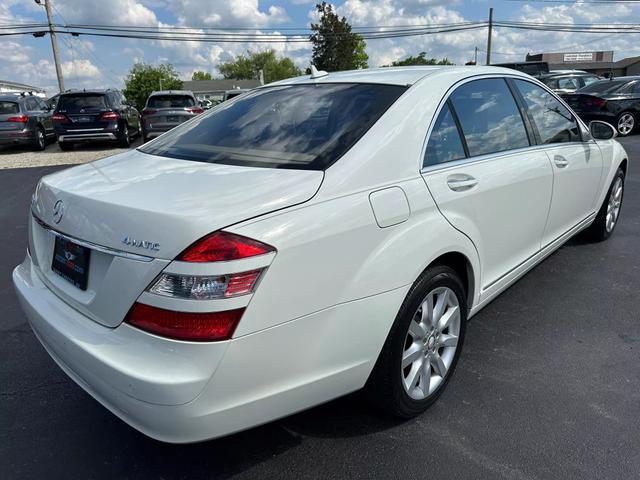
{"type": "Point", "coordinates": [54, 43]}
{"type": "Point", "coordinates": [489, 36]}
{"type": "Point", "coordinates": [475, 56]}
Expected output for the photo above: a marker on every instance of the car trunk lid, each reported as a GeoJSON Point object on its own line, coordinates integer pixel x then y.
{"type": "Point", "coordinates": [139, 211]}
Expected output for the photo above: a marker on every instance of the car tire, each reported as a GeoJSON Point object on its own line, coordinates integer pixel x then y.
{"type": "Point", "coordinates": [124, 140]}
{"type": "Point", "coordinates": [40, 140]}
{"type": "Point", "coordinates": [415, 348]}
{"type": "Point", "coordinates": [625, 124]}
{"type": "Point", "coordinates": [65, 146]}
{"type": "Point", "coordinates": [609, 214]}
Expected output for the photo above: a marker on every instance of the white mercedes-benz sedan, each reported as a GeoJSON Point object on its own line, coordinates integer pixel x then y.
{"type": "Point", "coordinates": [308, 239]}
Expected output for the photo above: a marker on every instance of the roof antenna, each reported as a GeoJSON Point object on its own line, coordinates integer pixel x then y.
{"type": "Point", "coordinates": [315, 73]}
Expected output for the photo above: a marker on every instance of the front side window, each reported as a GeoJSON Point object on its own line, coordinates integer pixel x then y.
{"type": "Point", "coordinates": [554, 122]}
{"type": "Point", "coordinates": [589, 80]}
{"type": "Point", "coordinates": [568, 83]}
{"type": "Point", "coordinates": [306, 126]}
{"type": "Point", "coordinates": [444, 143]}
{"type": "Point", "coordinates": [489, 117]}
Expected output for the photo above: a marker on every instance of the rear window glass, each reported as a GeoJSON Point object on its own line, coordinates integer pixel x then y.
{"type": "Point", "coordinates": [292, 126]}
{"type": "Point", "coordinates": [9, 107]}
{"type": "Point", "coordinates": [170, 101]}
{"type": "Point", "coordinates": [605, 86]}
{"type": "Point", "coordinates": [75, 103]}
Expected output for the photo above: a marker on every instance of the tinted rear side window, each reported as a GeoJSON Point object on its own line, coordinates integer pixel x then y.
{"type": "Point", "coordinates": [7, 108]}
{"type": "Point", "coordinates": [554, 122]}
{"type": "Point", "coordinates": [605, 86]}
{"type": "Point", "coordinates": [444, 143]}
{"type": "Point", "coordinates": [292, 126]}
{"type": "Point", "coordinates": [170, 101]}
{"type": "Point", "coordinates": [489, 117]}
{"type": "Point", "coordinates": [75, 103]}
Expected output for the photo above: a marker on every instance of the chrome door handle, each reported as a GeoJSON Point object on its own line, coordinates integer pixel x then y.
{"type": "Point", "coordinates": [460, 184]}
{"type": "Point", "coordinates": [560, 161]}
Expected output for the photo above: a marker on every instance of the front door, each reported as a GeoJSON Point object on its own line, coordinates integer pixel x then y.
{"type": "Point", "coordinates": [577, 164]}
{"type": "Point", "coordinates": [485, 178]}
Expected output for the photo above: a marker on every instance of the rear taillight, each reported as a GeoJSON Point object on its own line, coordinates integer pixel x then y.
{"type": "Point", "coordinates": [109, 116]}
{"type": "Point", "coordinates": [222, 247]}
{"type": "Point", "coordinates": [203, 327]}
{"type": "Point", "coordinates": [18, 119]}
{"type": "Point", "coordinates": [198, 286]}
{"type": "Point", "coordinates": [148, 111]}
{"type": "Point", "coordinates": [60, 118]}
{"type": "Point", "coordinates": [596, 102]}
{"type": "Point", "coordinates": [205, 287]}
{"type": "Point", "coordinates": [196, 110]}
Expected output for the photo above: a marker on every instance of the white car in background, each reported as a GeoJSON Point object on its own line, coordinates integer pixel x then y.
{"type": "Point", "coordinates": [311, 238]}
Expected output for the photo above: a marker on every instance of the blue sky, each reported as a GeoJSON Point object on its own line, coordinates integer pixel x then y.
{"type": "Point", "coordinates": [99, 62]}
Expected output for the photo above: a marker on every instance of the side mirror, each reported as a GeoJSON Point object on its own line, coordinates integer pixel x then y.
{"type": "Point", "coordinates": [602, 130]}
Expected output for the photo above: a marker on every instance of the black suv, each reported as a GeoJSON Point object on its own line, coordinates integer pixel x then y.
{"type": "Point", "coordinates": [25, 120]}
{"type": "Point", "coordinates": [94, 115]}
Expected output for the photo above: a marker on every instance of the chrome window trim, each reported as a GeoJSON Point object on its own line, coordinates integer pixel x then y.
{"type": "Point", "coordinates": [494, 156]}
{"type": "Point", "coordinates": [491, 156]}
{"type": "Point", "coordinates": [92, 246]}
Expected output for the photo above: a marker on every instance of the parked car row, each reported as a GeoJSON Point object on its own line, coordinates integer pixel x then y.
{"type": "Point", "coordinates": [612, 100]}
{"type": "Point", "coordinates": [84, 116]}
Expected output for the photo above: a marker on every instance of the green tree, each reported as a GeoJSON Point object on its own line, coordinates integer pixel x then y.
{"type": "Point", "coordinates": [144, 79]}
{"type": "Point", "coordinates": [247, 67]}
{"type": "Point", "coordinates": [335, 46]}
{"type": "Point", "coordinates": [200, 75]}
{"type": "Point", "coordinates": [421, 59]}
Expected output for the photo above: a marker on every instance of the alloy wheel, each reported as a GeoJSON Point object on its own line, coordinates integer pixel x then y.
{"type": "Point", "coordinates": [626, 122]}
{"type": "Point", "coordinates": [613, 206]}
{"type": "Point", "coordinates": [40, 139]}
{"type": "Point", "coordinates": [431, 343]}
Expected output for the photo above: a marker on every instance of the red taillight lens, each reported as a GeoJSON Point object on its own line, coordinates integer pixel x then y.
{"type": "Point", "coordinates": [18, 119]}
{"type": "Point", "coordinates": [198, 327]}
{"type": "Point", "coordinates": [109, 116]}
{"type": "Point", "coordinates": [148, 111]}
{"type": "Point", "coordinates": [60, 118]}
{"type": "Point", "coordinates": [196, 110]}
{"type": "Point", "coordinates": [596, 102]}
{"type": "Point", "coordinates": [223, 246]}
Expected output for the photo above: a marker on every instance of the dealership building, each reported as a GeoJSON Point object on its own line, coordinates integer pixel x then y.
{"type": "Point", "coordinates": [601, 63]}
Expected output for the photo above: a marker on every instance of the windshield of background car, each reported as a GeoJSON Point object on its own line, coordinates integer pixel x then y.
{"type": "Point", "coordinates": [82, 101]}
{"type": "Point", "coordinates": [170, 101]}
{"type": "Point", "coordinates": [293, 126]}
{"type": "Point", "coordinates": [604, 86]}
{"type": "Point", "coordinates": [8, 108]}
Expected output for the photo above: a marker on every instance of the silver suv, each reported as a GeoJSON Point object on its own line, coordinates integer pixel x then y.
{"type": "Point", "coordinates": [167, 109]}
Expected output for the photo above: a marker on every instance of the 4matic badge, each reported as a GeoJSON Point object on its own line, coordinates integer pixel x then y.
{"type": "Point", "coordinates": [145, 244]}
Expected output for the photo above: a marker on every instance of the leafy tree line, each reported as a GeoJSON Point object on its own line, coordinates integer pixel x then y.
{"type": "Point", "coordinates": [335, 47]}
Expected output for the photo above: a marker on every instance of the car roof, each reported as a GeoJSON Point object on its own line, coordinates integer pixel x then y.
{"type": "Point", "coordinates": [172, 92]}
{"type": "Point", "coordinates": [397, 75]}
{"type": "Point", "coordinates": [11, 97]}
{"type": "Point", "coordinates": [89, 92]}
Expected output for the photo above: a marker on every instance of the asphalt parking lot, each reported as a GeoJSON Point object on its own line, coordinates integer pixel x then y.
{"type": "Point", "coordinates": [548, 387]}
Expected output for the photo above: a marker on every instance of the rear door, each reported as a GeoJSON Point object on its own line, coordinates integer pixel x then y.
{"type": "Point", "coordinates": [486, 179]}
{"type": "Point", "coordinates": [577, 164]}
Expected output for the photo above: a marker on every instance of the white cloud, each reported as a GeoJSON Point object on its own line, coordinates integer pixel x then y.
{"type": "Point", "coordinates": [115, 12]}
{"type": "Point", "coordinates": [227, 13]}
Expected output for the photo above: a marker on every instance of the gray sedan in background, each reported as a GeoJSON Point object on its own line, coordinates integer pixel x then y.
{"type": "Point", "coordinates": [167, 109]}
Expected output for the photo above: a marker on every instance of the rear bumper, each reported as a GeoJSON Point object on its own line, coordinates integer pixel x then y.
{"type": "Point", "coordinates": [15, 137]}
{"type": "Point", "coordinates": [182, 392]}
{"type": "Point", "coordinates": [85, 137]}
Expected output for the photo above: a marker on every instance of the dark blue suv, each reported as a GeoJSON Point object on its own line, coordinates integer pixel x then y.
{"type": "Point", "coordinates": [94, 115]}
